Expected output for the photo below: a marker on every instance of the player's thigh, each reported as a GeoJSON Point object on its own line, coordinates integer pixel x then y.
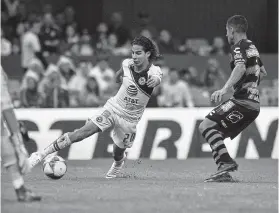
{"type": "Point", "coordinates": [231, 118]}
{"type": "Point", "coordinates": [103, 119]}
{"type": "Point", "coordinates": [124, 134]}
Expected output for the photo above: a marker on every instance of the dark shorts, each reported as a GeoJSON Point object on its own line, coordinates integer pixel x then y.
{"type": "Point", "coordinates": [232, 118]}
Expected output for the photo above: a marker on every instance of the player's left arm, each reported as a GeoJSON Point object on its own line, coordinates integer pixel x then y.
{"type": "Point", "coordinates": [236, 75]}
{"type": "Point", "coordinates": [155, 78]}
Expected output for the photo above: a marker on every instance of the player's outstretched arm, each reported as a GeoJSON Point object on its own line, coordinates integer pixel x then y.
{"type": "Point", "coordinates": [236, 75]}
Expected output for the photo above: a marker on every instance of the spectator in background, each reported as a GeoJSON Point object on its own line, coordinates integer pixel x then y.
{"type": "Point", "coordinates": [90, 95]}
{"type": "Point", "coordinates": [103, 73]}
{"type": "Point", "coordinates": [165, 42]}
{"type": "Point", "coordinates": [175, 92]}
{"type": "Point", "coordinates": [114, 50]}
{"type": "Point", "coordinates": [218, 46]}
{"type": "Point", "coordinates": [6, 46]}
{"type": "Point", "coordinates": [29, 94]}
{"type": "Point", "coordinates": [85, 48]}
{"type": "Point", "coordinates": [101, 37]}
{"type": "Point", "coordinates": [143, 21]}
{"type": "Point", "coordinates": [36, 67]}
{"type": "Point", "coordinates": [213, 76]}
{"type": "Point", "coordinates": [72, 39]}
{"type": "Point", "coordinates": [116, 27]}
{"type": "Point", "coordinates": [53, 94]}
{"type": "Point", "coordinates": [30, 46]}
{"type": "Point", "coordinates": [67, 70]}
{"type": "Point", "coordinates": [190, 75]}
{"type": "Point", "coordinates": [47, 8]}
{"type": "Point", "coordinates": [61, 22]}
{"type": "Point", "coordinates": [78, 82]}
{"type": "Point", "coordinates": [70, 16]}
{"type": "Point", "coordinates": [50, 35]}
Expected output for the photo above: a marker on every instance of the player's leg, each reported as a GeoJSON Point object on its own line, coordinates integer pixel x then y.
{"type": "Point", "coordinates": [100, 122]}
{"type": "Point", "coordinates": [215, 128]}
{"type": "Point", "coordinates": [123, 137]}
{"type": "Point", "coordinates": [210, 131]}
{"type": "Point", "coordinates": [119, 156]}
{"type": "Point", "coordinates": [10, 161]}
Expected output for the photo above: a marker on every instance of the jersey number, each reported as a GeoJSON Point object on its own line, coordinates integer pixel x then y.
{"type": "Point", "coordinates": [130, 137]}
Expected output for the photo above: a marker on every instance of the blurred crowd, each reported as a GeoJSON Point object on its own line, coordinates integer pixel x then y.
{"type": "Point", "coordinates": [60, 32]}
{"type": "Point", "coordinates": [68, 83]}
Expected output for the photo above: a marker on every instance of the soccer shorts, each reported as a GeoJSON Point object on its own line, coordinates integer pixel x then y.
{"type": "Point", "coordinates": [232, 118]}
{"type": "Point", "coordinates": [123, 133]}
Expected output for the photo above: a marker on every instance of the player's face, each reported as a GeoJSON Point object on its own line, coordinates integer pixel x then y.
{"type": "Point", "coordinates": [229, 34]}
{"type": "Point", "coordinates": [139, 56]}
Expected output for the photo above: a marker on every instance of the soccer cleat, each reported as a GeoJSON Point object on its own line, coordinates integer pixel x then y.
{"type": "Point", "coordinates": [26, 195]}
{"type": "Point", "coordinates": [34, 159]}
{"type": "Point", "coordinates": [226, 177]}
{"type": "Point", "coordinates": [116, 168]}
{"type": "Point", "coordinates": [225, 167]}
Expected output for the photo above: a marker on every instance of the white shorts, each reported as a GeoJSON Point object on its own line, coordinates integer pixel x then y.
{"type": "Point", "coordinates": [123, 133]}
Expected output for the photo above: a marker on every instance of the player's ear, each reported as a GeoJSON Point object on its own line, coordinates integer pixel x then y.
{"type": "Point", "coordinates": [148, 53]}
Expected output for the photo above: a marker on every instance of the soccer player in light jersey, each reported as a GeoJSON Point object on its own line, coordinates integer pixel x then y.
{"type": "Point", "coordinates": [234, 115]}
{"type": "Point", "coordinates": [13, 152]}
{"type": "Point", "coordinates": [123, 111]}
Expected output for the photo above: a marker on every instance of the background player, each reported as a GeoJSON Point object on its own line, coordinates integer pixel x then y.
{"type": "Point", "coordinates": [123, 111]}
{"type": "Point", "coordinates": [234, 115]}
{"type": "Point", "coordinates": [13, 152]}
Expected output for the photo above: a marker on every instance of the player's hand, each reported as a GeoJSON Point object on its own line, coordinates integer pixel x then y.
{"type": "Point", "coordinates": [217, 95]}
{"type": "Point", "coordinates": [153, 81]}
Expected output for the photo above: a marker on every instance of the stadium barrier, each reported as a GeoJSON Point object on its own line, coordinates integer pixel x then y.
{"type": "Point", "coordinates": [161, 134]}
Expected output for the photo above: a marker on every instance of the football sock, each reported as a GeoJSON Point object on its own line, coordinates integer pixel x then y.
{"type": "Point", "coordinates": [216, 142]}
{"type": "Point", "coordinates": [57, 145]}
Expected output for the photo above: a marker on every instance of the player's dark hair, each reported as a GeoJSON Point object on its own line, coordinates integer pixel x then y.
{"type": "Point", "coordinates": [239, 23]}
{"type": "Point", "coordinates": [148, 46]}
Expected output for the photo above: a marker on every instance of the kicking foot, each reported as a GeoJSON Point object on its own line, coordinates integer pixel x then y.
{"type": "Point", "coordinates": [26, 195]}
{"type": "Point", "coordinates": [225, 167]}
{"type": "Point", "coordinates": [34, 159]}
{"type": "Point", "coordinates": [116, 168]}
{"type": "Point", "coordinates": [226, 177]}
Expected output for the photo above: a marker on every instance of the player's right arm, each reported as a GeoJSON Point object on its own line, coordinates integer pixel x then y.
{"type": "Point", "coordinates": [119, 75]}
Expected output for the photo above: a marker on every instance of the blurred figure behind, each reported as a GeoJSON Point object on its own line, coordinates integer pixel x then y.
{"type": "Point", "coordinates": [90, 94]}
{"type": "Point", "coordinates": [175, 92]}
{"type": "Point", "coordinates": [54, 95]}
{"type": "Point", "coordinates": [29, 94]}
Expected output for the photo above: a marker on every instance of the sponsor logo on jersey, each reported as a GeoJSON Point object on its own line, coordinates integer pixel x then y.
{"type": "Point", "coordinates": [224, 124]}
{"type": "Point", "coordinates": [237, 50]}
{"type": "Point", "coordinates": [234, 116]}
{"type": "Point", "coordinates": [132, 90]}
{"type": "Point", "coordinates": [252, 52]}
{"type": "Point", "coordinates": [238, 56]}
{"type": "Point", "coordinates": [99, 119]}
{"type": "Point", "coordinates": [226, 107]}
{"type": "Point", "coordinates": [142, 81]}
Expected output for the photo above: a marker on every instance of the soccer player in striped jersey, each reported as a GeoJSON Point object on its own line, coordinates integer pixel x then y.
{"type": "Point", "coordinates": [123, 111]}
{"type": "Point", "coordinates": [234, 115]}
{"type": "Point", "coordinates": [13, 152]}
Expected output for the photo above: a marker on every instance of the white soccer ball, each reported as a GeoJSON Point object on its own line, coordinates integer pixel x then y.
{"type": "Point", "coordinates": [55, 167]}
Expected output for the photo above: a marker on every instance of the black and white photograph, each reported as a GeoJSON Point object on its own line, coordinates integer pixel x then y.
{"type": "Point", "coordinates": [139, 106]}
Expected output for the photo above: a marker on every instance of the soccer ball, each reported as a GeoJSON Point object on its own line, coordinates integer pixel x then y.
{"type": "Point", "coordinates": [55, 167]}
